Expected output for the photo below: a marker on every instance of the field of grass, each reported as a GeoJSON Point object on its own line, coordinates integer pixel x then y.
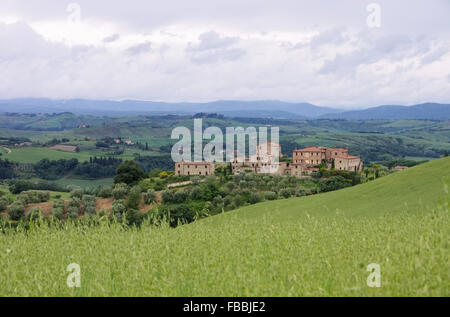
{"type": "Point", "coordinates": [35, 154]}
{"type": "Point", "coordinates": [310, 246]}
{"type": "Point", "coordinates": [84, 183]}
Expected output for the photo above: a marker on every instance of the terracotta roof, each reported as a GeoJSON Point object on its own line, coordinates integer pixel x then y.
{"type": "Point", "coordinates": [195, 163]}
{"type": "Point", "coordinates": [311, 149]}
{"type": "Point", "coordinates": [401, 167]}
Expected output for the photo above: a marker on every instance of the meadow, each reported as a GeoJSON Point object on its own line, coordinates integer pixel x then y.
{"type": "Point", "coordinates": [318, 245]}
{"type": "Point", "coordinates": [35, 154]}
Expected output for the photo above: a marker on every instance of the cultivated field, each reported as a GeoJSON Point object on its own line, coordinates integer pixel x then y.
{"type": "Point", "coordinates": [310, 246]}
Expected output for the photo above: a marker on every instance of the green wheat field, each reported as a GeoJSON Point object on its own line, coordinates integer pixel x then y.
{"type": "Point", "coordinates": [318, 245]}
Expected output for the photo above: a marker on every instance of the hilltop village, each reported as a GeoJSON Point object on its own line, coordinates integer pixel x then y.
{"type": "Point", "coordinates": [303, 163]}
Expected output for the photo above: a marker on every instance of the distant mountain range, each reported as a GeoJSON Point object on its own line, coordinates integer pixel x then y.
{"type": "Point", "coordinates": [231, 108]}
{"type": "Point", "coordinates": [431, 111]}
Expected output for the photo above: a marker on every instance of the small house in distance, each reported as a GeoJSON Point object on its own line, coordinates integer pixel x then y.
{"type": "Point", "coordinates": [400, 168]}
{"type": "Point", "coordinates": [68, 148]}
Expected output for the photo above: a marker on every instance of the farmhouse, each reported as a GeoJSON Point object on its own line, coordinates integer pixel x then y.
{"type": "Point", "coordinates": [194, 168]}
{"type": "Point", "coordinates": [317, 155]}
{"type": "Point", "coordinates": [23, 144]}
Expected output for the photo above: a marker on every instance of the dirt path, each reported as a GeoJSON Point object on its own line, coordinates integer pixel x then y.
{"type": "Point", "coordinates": [7, 149]}
{"type": "Point", "coordinates": [179, 184]}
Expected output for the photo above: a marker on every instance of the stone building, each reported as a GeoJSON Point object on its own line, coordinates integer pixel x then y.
{"type": "Point", "coordinates": [194, 168]}
{"type": "Point", "coordinates": [316, 155]}
{"type": "Point", "coordinates": [312, 155]}
{"type": "Point", "coordinates": [348, 163]}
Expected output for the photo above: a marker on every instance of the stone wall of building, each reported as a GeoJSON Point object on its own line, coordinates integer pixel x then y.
{"type": "Point", "coordinates": [194, 168]}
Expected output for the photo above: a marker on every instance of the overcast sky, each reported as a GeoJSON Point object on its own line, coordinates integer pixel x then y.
{"type": "Point", "coordinates": [332, 54]}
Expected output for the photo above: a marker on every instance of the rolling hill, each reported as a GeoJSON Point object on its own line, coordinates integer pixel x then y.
{"type": "Point", "coordinates": [430, 111]}
{"type": "Point", "coordinates": [413, 190]}
{"type": "Point", "coordinates": [236, 108]}
{"type": "Point", "coordinates": [318, 245]}
{"type": "Point", "coordinates": [232, 108]}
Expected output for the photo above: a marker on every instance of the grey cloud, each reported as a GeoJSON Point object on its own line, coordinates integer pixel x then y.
{"type": "Point", "coordinates": [372, 49]}
{"type": "Point", "coordinates": [140, 48]}
{"type": "Point", "coordinates": [335, 36]}
{"type": "Point", "coordinates": [213, 47]}
{"type": "Point", "coordinates": [19, 40]}
{"type": "Point", "coordinates": [217, 55]}
{"type": "Point", "coordinates": [111, 38]}
{"type": "Point", "coordinates": [435, 55]}
{"type": "Point", "coordinates": [213, 40]}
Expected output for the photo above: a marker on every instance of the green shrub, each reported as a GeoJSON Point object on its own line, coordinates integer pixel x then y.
{"type": "Point", "coordinates": [167, 196]}
{"type": "Point", "coordinates": [134, 217]}
{"type": "Point", "coordinates": [227, 200]}
{"type": "Point", "coordinates": [43, 196]}
{"type": "Point", "coordinates": [146, 184]}
{"type": "Point", "coordinates": [16, 210]}
{"type": "Point", "coordinates": [105, 192]}
{"type": "Point", "coordinates": [271, 195]}
{"type": "Point", "coordinates": [196, 193]}
{"type": "Point", "coordinates": [238, 200]}
{"type": "Point", "coordinates": [76, 193]}
{"type": "Point", "coordinates": [120, 191]}
{"type": "Point", "coordinates": [90, 204]}
{"type": "Point", "coordinates": [255, 198]}
{"type": "Point", "coordinates": [58, 209]}
{"type": "Point", "coordinates": [118, 208]}
{"type": "Point", "coordinates": [3, 203]}
{"type": "Point", "coordinates": [175, 214]}
{"type": "Point", "coordinates": [134, 198]}
{"type": "Point", "coordinates": [75, 202]}
{"type": "Point", "coordinates": [149, 196]}
{"type": "Point", "coordinates": [129, 172]}
{"type": "Point", "coordinates": [333, 183]}
{"type": "Point", "coordinates": [72, 212]}
{"type": "Point", "coordinates": [35, 213]}
{"type": "Point", "coordinates": [286, 192]}
{"type": "Point", "coordinates": [180, 196]}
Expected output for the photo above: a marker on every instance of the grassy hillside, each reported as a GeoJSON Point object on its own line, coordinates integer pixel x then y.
{"type": "Point", "coordinates": [413, 190]}
{"type": "Point", "coordinates": [310, 246]}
